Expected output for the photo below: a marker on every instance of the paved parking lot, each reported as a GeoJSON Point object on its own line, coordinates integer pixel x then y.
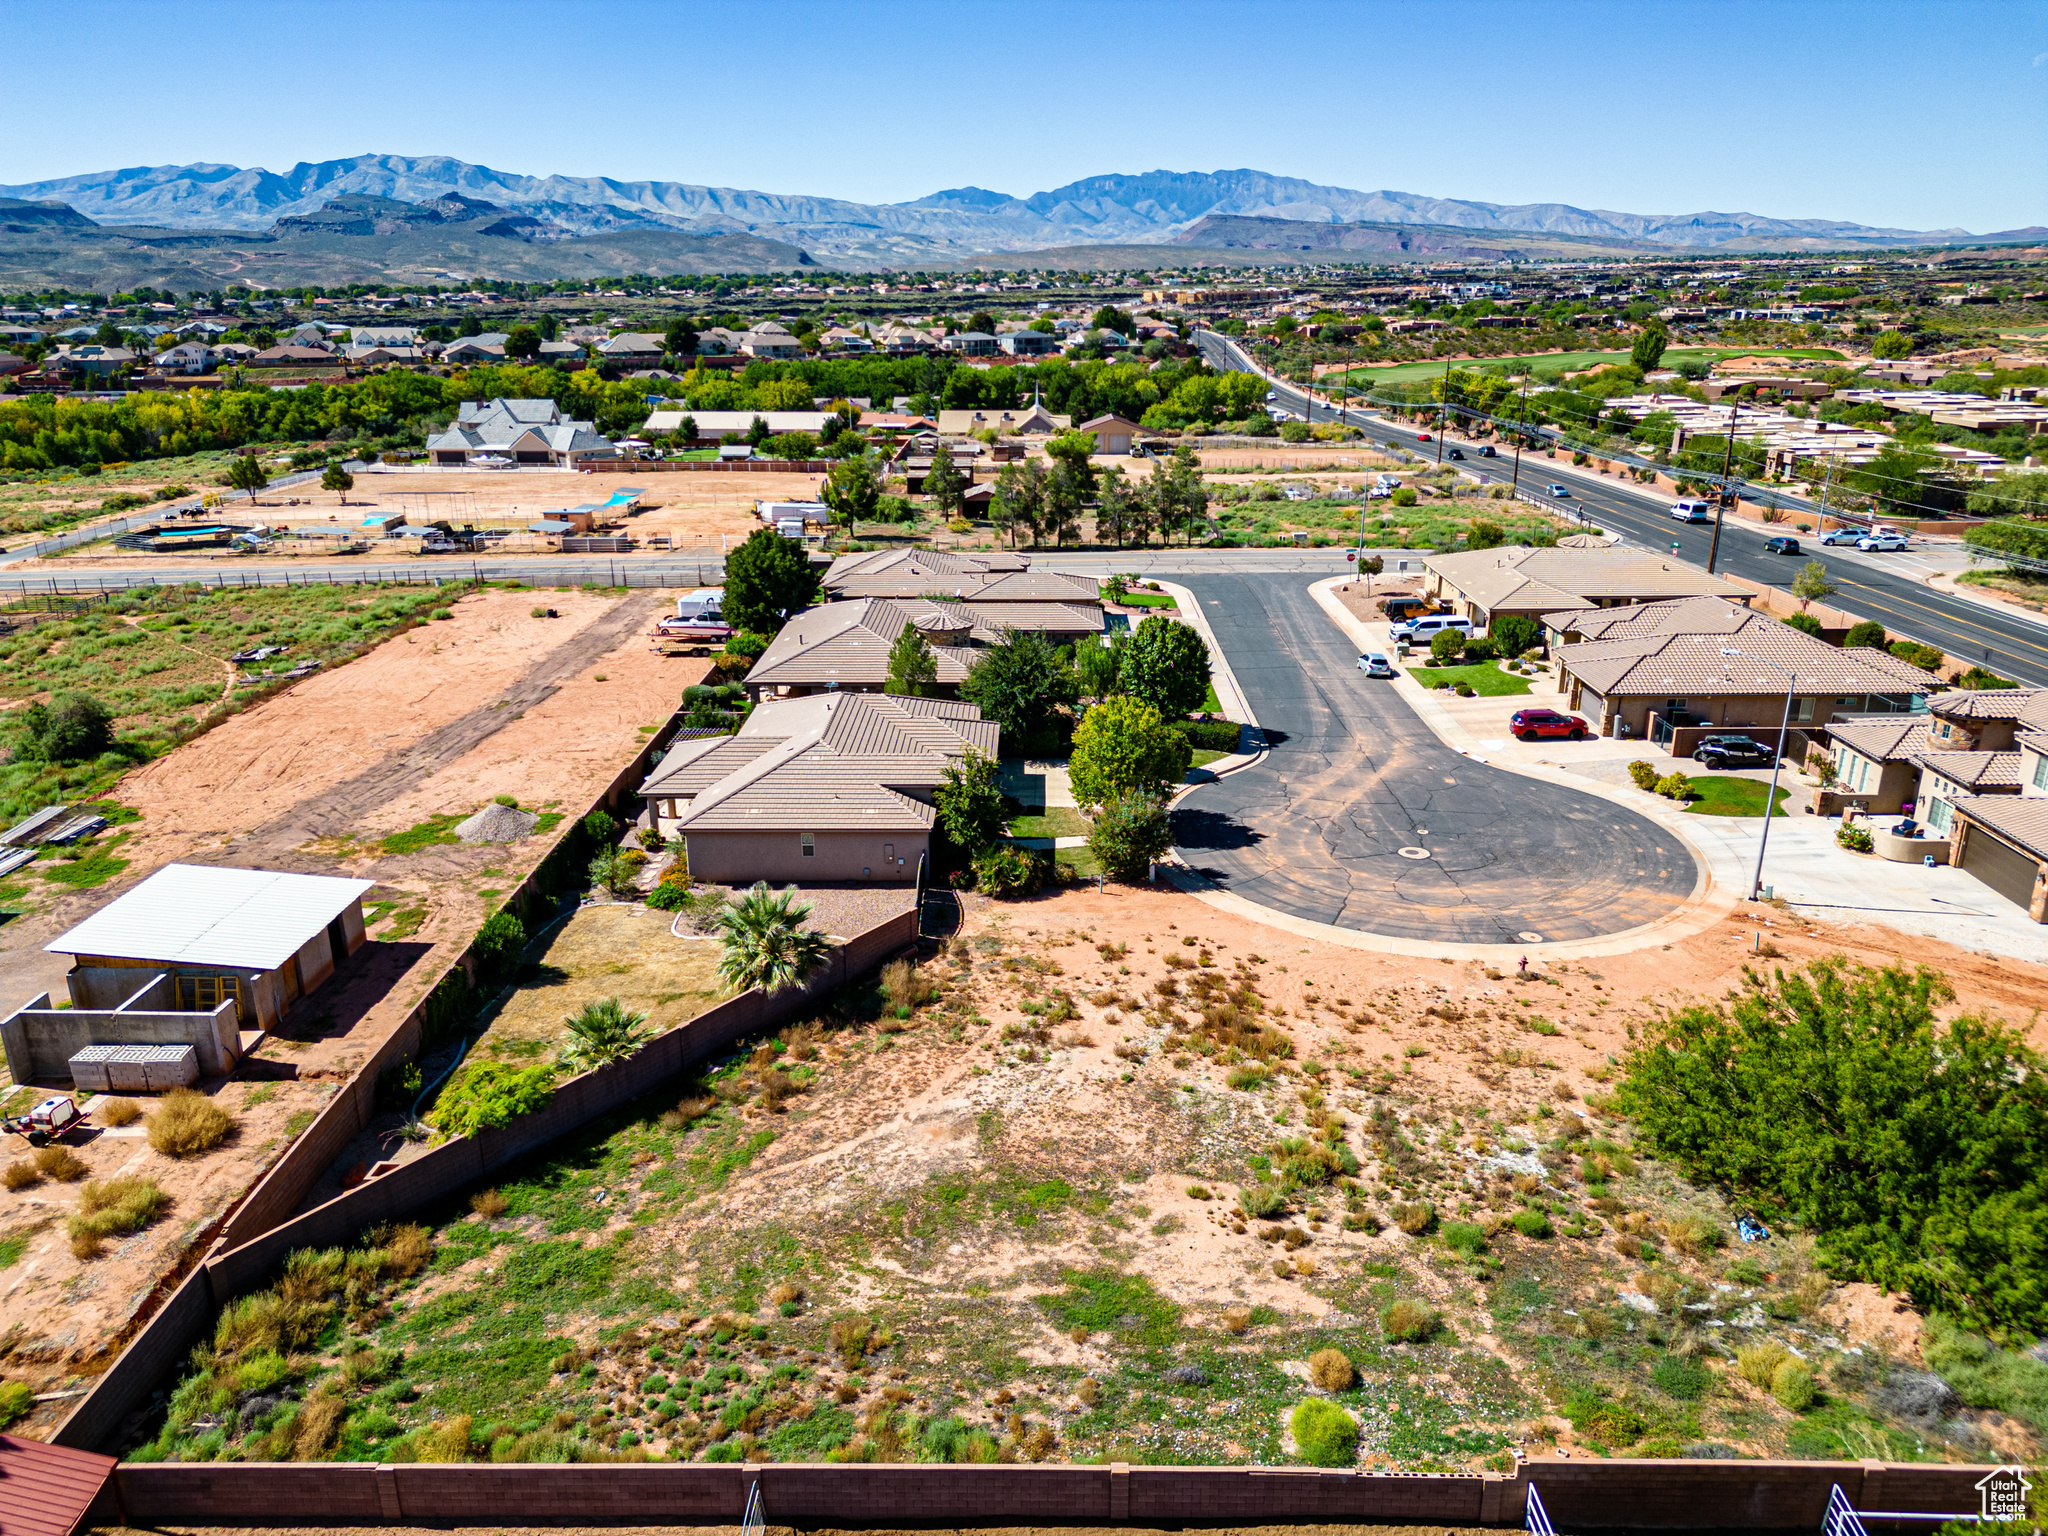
{"type": "Point", "coordinates": [1361, 817]}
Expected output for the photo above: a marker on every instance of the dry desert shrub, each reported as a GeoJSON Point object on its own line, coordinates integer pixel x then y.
{"type": "Point", "coordinates": [850, 1337]}
{"type": "Point", "coordinates": [488, 1203]}
{"type": "Point", "coordinates": [1758, 1363]}
{"type": "Point", "coordinates": [447, 1440]}
{"type": "Point", "coordinates": [319, 1422]}
{"type": "Point", "coordinates": [187, 1123]}
{"type": "Point", "coordinates": [1237, 1319]}
{"type": "Point", "coordinates": [1410, 1322]}
{"type": "Point", "coordinates": [687, 1113]}
{"type": "Point", "coordinates": [1073, 1039]}
{"type": "Point", "coordinates": [61, 1164]}
{"type": "Point", "coordinates": [108, 1206]}
{"type": "Point", "coordinates": [118, 1112]}
{"type": "Point", "coordinates": [408, 1250]}
{"type": "Point", "coordinates": [1415, 1217]}
{"type": "Point", "coordinates": [902, 985]}
{"type": "Point", "coordinates": [21, 1175]}
{"type": "Point", "coordinates": [777, 1089]}
{"type": "Point", "coordinates": [1331, 1370]}
{"type": "Point", "coordinates": [786, 1292]}
{"type": "Point", "coordinates": [1089, 1390]}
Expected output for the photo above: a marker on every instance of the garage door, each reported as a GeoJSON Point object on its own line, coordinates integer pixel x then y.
{"type": "Point", "coordinates": [1999, 865]}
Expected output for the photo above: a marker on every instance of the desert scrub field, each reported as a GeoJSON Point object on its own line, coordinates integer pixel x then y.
{"type": "Point", "coordinates": [1260, 513]}
{"type": "Point", "coordinates": [156, 659]}
{"type": "Point", "coordinates": [1054, 1195]}
{"type": "Point", "coordinates": [41, 504]}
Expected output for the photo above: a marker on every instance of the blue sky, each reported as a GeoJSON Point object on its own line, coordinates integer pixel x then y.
{"type": "Point", "coordinates": [1916, 115]}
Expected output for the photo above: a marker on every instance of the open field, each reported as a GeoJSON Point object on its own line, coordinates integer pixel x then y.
{"type": "Point", "coordinates": [422, 730]}
{"type": "Point", "coordinates": [1038, 1220]}
{"type": "Point", "coordinates": [36, 504]}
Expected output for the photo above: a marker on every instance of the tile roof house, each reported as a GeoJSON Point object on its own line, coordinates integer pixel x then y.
{"type": "Point", "coordinates": [1022, 421]}
{"type": "Point", "coordinates": [1876, 761]}
{"type": "Point", "coordinates": [1669, 665]}
{"type": "Point", "coordinates": [631, 349]}
{"type": "Point", "coordinates": [769, 340]}
{"type": "Point", "coordinates": [523, 431]}
{"type": "Point", "coordinates": [2003, 841]}
{"type": "Point", "coordinates": [487, 348]}
{"type": "Point", "coordinates": [714, 425]}
{"type": "Point", "coordinates": [844, 647]}
{"type": "Point", "coordinates": [829, 787]}
{"type": "Point", "coordinates": [1485, 584]}
{"type": "Point", "coordinates": [981, 579]}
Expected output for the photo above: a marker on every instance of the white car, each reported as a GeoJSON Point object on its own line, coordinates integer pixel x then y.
{"type": "Point", "coordinates": [1374, 664]}
{"type": "Point", "coordinates": [1272, 394]}
{"type": "Point", "coordinates": [1882, 542]}
{"type": "Point", "coordinates": [1559, 492]}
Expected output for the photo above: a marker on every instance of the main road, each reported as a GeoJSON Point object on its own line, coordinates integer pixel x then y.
{"type": "Point", "coordinates": [2007, 641]}
{"type": "Point", "coordinates": [1360, 816]}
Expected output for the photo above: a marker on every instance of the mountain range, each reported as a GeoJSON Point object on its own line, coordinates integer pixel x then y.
{"type": "Point", "coordinates": [1152, 208]}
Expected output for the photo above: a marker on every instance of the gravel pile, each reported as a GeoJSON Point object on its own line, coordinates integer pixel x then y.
{"type": "Point", "coordinates": [496, 824]}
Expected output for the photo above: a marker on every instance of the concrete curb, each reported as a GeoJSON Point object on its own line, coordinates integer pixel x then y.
{"type": "Point", "coordinates": [1945, 583]}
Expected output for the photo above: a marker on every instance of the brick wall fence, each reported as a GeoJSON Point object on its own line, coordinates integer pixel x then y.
{"type": "Point", "coordinates": [230, 1268]}
{"type": "Point", "coordinates": [1591, 1495]}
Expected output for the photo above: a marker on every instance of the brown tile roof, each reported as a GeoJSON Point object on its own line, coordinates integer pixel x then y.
{"type": "Point", "coordinates": [1990, 771]}
{"type": "Point", "coordinates": [847, 644]}
{"type": "Point", "coordinates": [1689, 615]}
{"type": "Point", "coordinates": [2028, 705]}
{"type": "Point", "coordinates": [1562, 578]}
{"type": "Point", "coordinates": [993, 577]}
{"type": "Point", "coordinates": [1675, 665]}
{"type": "Point", "coordinates": [2020, 819]}
{"type": "Point", "coordinates": [45, 1490]}
{"type": "Point", "coordinates": [831, 762]}
{"type": "Point", "coordinates": [1895, 739]}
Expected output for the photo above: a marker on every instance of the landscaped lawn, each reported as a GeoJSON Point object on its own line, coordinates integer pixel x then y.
{"type": "Point", "coordinates": [1150, 600]}
{"type": "Point", "coordinates": [1728, 795]}
{"type": "Point", "coordinates": [1203, 757]}
{"type": "Point", "coordinates": [1080, 860]}
{"type": "Point", "coordinates": [1485, 677]}
{"type": "Point", "coordinates": [1211, 705]}
{"type": "Point", "coordinates": [1053, 821]}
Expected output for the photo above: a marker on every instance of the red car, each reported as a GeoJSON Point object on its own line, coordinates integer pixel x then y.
{"type": "Point", "coordinates": [1533, 724]}
{"type": "Point", "coordinates": [1422, 437]}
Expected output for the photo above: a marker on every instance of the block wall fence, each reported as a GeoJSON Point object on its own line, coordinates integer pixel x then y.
{"type": "Point", "coordinates": [1589, 1495]}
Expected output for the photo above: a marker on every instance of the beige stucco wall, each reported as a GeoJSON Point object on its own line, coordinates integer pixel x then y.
{"type": "Point", "coordinates": [740, 858]}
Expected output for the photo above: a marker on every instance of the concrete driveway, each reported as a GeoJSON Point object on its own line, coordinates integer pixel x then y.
{"type": "Point", "coordinates": [1361, 817]}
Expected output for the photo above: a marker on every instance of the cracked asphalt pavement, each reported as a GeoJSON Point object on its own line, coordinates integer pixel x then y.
{"type": "Point", "coordinates": [1360, 817]}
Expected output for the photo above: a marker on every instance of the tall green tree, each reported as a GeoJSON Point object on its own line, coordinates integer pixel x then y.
{"type": "Point", "coordinates": [1123, 747]}
{"type": "Point", "coordinates": [852, 490]}
{"type": "Point", "coordinates": [246, 474]}
{"type": "Point", "coordinates": [1166, 664]}
{"type": "Point", "coordinates": [766, 580]}
{"type": "Point", "coordinates": [969, 801]}
{"type": "Point", "coordinates": [944, 483]}
{"type": "Point", "coordinates": [1180, 501]}
{"type": "Point", "coordinates": [913, 669]}
{"type": "Point", "coordinates": [335, 478]}
{"type": "Point", "coordinates": [1019, 500]}
{"type": "Point", "coordinates": [522, 343]}
{"type": "Point", "coordinates": [1648, 348]}
{"type": "Point", "coordinates": [1812, 584]}
{"type": "Point", "coordinates": [1128, 833]}
{"type": "Point", "coordinates": [1119, 508]}
{"type": "Point", "coordinates": [1022, 683]}
{"type": "Point", "coordinates": [680, 339]}
{"type": "Point", "coordinates": [1908, 1145]}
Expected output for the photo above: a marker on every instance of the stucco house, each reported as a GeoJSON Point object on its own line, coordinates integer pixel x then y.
{"type": "Point", "coordinates": [523, 431]}
{"type": "Point", "coordinates": [844, 647]}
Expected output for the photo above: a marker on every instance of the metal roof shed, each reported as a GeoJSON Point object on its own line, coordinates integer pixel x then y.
{"type": "Point", "coordinates": [52, 1488]}
{"type": "Point", "coordinates": [196, 913]}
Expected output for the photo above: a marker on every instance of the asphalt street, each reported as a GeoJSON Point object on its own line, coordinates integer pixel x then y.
{"type": "Point", "coordinates": [1359, 816]}
{"type": "Point", "coordinates": [1883, 587]}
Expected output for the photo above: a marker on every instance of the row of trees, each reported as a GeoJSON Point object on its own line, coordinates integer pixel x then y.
{"type": "Point", "coordinates": [1049, 503]}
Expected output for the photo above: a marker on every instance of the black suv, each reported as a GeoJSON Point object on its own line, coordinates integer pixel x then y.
{"type": "Point", "coordinates": [1732, 752]}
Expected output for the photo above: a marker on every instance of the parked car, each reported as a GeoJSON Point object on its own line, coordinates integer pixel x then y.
{"type": "Point", "coordinates": [1782, 544]}
{"type": "Point", "coordinates": [1426, 627]}
{"type": "Point", "coordinates": [1732, 752]}
{"type": "Point", "coordinates": [1534, 724]}
{"type": "Point", "coordinates": [1373, 664]}
{"type": "Point", "coordinates": [1691, 512]}
{"type": "Point", "coordinates": [1489, 452]}
{"type": "Point", "coordinates": [1454, 453]}
{"type": "Point", "coordinates": [1883, 541]}
{"type": "Point", "coordinates": [1400, 608]}
{"type": "Point", "coordinates": [1559, 492]}
{"type": "Point", "coordinates": [1841, 536]}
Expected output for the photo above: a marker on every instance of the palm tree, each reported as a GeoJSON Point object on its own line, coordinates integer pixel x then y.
{"type": "Point", "coordinates": [603, 1032]}
{"type": "Point", "coordinates": [765, 942]}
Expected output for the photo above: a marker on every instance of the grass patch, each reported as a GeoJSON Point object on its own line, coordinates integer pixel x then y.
{"type": "Point", "coordinates": [1083, 863]}
{"type": "Point", "coordinates": [1727, 795]}
{"type": "Point", "coordinates": [1107, 1301]}
{"type": "Point", "coordinates": [1203, 757]}
{"type": "Point", "coordinates": [1150, 600]}
{"type": "Point", "coordinates": [435, 831]}
{"type": "Point", "coordinates": [1484, 678]}
{"type": "Point", "coordinates": [95, 867]}
{"type": "Point", "coordinates": [1053, 821]}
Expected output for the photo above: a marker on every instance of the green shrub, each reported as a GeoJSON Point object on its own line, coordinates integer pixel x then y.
{"type": "Point", "coordinates": [1854, 837]}
{"type": "Point", "coordinates": [1209, 735]}
{"type": "Point", "coordinates": [1865, 632]}
{"type": "Point", "coordinates": [1644, 775]}
{"type": "Point", "coordinates": [1681, 1378]}
{"type": "Point", "coordinates": [492, 1094]}
{"type": "Point", "coordinates": [1531, 1223]}
{"type": "Point", "coordinates": [1005, 871]}
{"type": "Point", "coordinates": [1129, 833]}
{"type": "Point", "coordinates": [1327, 1435]}
{"type": "Point", "coordinates": [1836, 1095]}
{"type": "Point", "coordinates": [1404, 497]}
{"type": "Point", "coordinates": [1674, 786]}
{"type": "Point", "coordinates": [497, 948]}
{"type": "Point", "coordinates": [1925, 657]}
{"type": "Point", "coordinates": [1464, 1237]}
{"type": "Point", "coordinates": [1792, 1385]}
{"type": "Point", "coordinates": [668, 898]}
{"type": "Point", "coordinates": [1601, 1421]}
{"type": "Point", "coordinates": [1409, 1322]}
{"type": "Point", "coordinates": [600, 827]}
{"type": "Point", "coordinates": [17, 1401]}
{"type": "Point", "coordinates": [1261, 1202]}
{"type": "Point", "coordinates": [1985, 1376]}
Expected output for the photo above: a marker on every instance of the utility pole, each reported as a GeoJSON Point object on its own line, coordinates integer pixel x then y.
{"type": "Point", "coordinates": [1825, 486]}
{"type": "Point", "coordinates": [1441, 407]}
{"type": "Point", "coordinates": [1721, 505]}
{"type": "Point", "coordinates": [1521, 423]}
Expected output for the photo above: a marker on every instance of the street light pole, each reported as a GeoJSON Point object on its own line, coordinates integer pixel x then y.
{"type": "Point", "coordinates": [1756, 883]}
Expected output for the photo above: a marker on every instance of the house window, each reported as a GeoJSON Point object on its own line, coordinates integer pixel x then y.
{"type": "Point", "coordinates": [809, 842]}
{"type": "Point", "coordinates": [1937, 815]}
{"type": "Point", "coordinates": [2041, 772]}
{"type": "Point", "coordinates": [1802, 710]}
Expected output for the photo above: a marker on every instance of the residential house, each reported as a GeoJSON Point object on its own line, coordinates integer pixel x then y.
{"type": "Point", "coordinates": [293, 357]}
{"type": "Point", "coordinates": [186, 357]}
{"type": "Point", "coordinates": [1877, 762]}
{"type": "Point", "coordinates": [970, 344]}
{"type": "Point", "coordinates": [830, 787]}
{"type": "Point", "coordinates": [715, 426]}
{"type": "Point", "coordinates": [561, 354]}
{"type": "Point", "coordinates": [310, 335]}
{"type": "Point", "coordinates": [1988, 745]}
{"type": "Point", "coordinates": [1578, 573]}
{"type": "Point", "coordinates": [522, 431]}
{"type": "Point", "coordinates": [987, 580]}
{"type": "Point", "coordinates": [475, 350]}
{"type": "Point", "coordinates": [841, 340]}
{"type": "Point", "coordinates": [384, 336]}
{"type": "Point", "coordinates": [382, 357]}
{"type": "Point", "coordinates": [1028, 343]}
{"type": "Point", "coordinates": [1032, 420]}
{"type": "Point", "coordinates": [1112, 434]}
{"type": "Point", "coordinates": [1669, 672]}
{"type": "Point", "coordinates": [844, 647]}
{"type": "Point", "coordinates": [769, 340]}
{"type": "Point", "coordinates": [10, 364]}
{"type": "Point", "coordinates": [630, 349]}
{"type": "Point", "coordinates": [91, 358]}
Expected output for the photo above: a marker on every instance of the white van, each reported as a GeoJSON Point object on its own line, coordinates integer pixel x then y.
{"type": "Point", "coordinates": [1426, 627]}
{"type": "Point", "coordinates": [1692, 511]}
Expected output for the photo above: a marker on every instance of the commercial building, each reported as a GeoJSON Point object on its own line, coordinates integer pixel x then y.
{"type": "Point", "coordinates": [828, 788]}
